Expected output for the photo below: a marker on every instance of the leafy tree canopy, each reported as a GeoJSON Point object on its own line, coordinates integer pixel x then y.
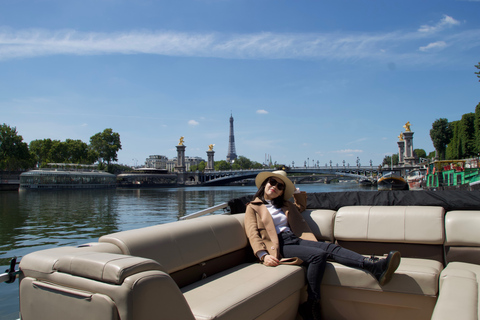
{"type": "Point", "coordinates": [420, 153]}
{"type": "Point", "coordinates": [389, 160]}
{"type": "Point", "coordinates": [105, 145]}
{"type": "Point", "coordinates": [441, 133]}
{"type": "Point", "coordinates": [54, 151]}
{"type": "Point", "coordinates": [14, 154]}
{"type": "Point", "coordinates": [222, 165]}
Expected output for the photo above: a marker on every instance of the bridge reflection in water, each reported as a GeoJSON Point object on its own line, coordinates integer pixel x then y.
{"type": "Point", "coordinates": [217, 178]}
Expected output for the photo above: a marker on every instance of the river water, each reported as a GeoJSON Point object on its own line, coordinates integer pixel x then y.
{"type": "Point", "coordinates": [37, 220]}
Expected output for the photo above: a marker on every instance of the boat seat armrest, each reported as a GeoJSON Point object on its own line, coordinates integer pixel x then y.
{"type": "Point", "coordinates": [105, 267]}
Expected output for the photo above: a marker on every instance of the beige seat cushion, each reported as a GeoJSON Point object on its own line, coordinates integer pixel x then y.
{"type": "Point", "coordinates": [413, 276]}
{"type": "Point", "coordinates": [321, 223]}
{"type": "Point", "coordinates": [244, 292]}
{"type": "Point", "coordinates": [400, 224]}
{"type": "Point", "coordinates": [458, 298]}
{"type": "Point", "coordinates": [181, 244]}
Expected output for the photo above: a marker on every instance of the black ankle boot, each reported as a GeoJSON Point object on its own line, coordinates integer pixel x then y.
{"type": "Point", "coordinates": [383, 269]}
{"type": "Point", "coordinates": [310, 310]}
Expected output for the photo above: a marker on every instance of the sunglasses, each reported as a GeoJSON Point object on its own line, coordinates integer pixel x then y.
{"type": "Point", "coordinates": [273, 183]}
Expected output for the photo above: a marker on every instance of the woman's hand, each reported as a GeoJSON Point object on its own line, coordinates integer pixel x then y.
{"type": "Point", "coordinates": [270, 261]}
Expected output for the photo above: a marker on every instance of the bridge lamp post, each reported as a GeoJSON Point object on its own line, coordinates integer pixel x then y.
{"type": "Point", "coordinates": [308, 162]}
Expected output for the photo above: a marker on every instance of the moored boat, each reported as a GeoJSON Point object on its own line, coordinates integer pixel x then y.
{"type": "Point", "coordinates": [66, 179]}
{"type": "Point", "coordinates": [453, 174]}
{"type": "Point", "coordinates": [392, 181]}
{"type": "Point", "coordinates": [416, 179]}
{"type": "Point", "coordinates": [147, 178]}
{"type": "Point", "coordinates": [366, 182]}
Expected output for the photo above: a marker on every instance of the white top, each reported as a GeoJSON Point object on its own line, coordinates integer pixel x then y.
{"type": "Point", "coordinates": [279, 220]}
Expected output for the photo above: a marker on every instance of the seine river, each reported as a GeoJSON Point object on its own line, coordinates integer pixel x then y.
{"type": "Point", "coordinates": [36, 220]}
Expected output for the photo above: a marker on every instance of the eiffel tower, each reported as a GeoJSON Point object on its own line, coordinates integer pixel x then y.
{"type": "Point", "coordinates": [231, 156]}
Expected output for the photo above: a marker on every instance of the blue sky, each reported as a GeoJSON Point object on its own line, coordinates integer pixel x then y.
{"type": "Point", "coordinates": [317, 80]}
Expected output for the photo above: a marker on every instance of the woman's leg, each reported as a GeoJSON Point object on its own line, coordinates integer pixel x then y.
{"type": "Point", "coordinates": [315, 260]}
{"type": "Point", "coordinates": [382, 269]}
{"type": "Point", "coordinates": [337, 253]}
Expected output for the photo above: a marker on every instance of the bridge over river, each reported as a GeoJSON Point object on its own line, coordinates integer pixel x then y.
{"type": "Point", "coordinates": [217, 178]}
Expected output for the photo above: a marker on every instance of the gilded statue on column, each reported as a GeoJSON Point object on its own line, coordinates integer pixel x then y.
{"type": "Point", "coordinates": [407, 126]}
{"type": "Point", "coordinates": [180, 143]}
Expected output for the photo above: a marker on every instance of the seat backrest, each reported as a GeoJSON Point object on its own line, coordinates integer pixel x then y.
{"type": "Point", "coordinates": [462, 236]}
{"type": "Point", "coordinates": [182, 244]}
{"type": "Point", "coordinates": [415, 231]}
{"type": "Point", "coordinates": [321, 222]}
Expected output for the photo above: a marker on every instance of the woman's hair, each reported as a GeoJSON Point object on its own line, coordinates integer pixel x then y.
{"type": "Point", "coordinates": [278, 202]}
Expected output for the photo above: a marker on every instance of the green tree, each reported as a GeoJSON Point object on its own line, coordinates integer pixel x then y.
{"type": "Point", "coordinates": [58, 152]}
{"type": "Point", "coordinates": [389, 160]}
{"type": "Point", "coordinates": [200, 167]}
{"type": "Point", "coordinates": [40, 150]}
{"type": "Point", "coordinates": [420, 153]}
{"type": "Point", "coordinates": [14, 153]}
{"type": "Point", "coordinates": [441, 133]}
{"type": "Point", "coordinates": [476, 128]}
{"type": "Point", "coordinates": [462, 143]}
{"type": "Point", "coordinates": [222, 165]}
{"type": "Point", "coordinates": [55, 151]}
{"type": "Point", "coordinates": [257, 165]}
{"type": "Point", "coordinates": [106, 145]}
{"type": "Point", "coordinates": [242, 163]}
{"type": "Point", "coordinates": [78, 152]}
{"type": "Point", "coordinates": [454, 147]}
{"type": "Point", "coordinates": [467, 135]}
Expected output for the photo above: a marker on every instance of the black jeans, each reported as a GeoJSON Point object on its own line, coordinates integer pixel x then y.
{"type": "Point", "coordinates": [314, 255]}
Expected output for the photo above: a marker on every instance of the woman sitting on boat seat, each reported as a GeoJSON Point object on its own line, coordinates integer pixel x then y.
{"type": "Point", "coordinates": [276, 231]}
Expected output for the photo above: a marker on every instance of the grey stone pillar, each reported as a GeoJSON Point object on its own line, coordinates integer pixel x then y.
{"type": "Point", "coordinates": [401, 152]}
{"type": "Point", "coordinates": [409, 155]}
{"type": "Point", "coordinates": [180, 165]}
{"type": "Point", "coordinates": [210, 161]}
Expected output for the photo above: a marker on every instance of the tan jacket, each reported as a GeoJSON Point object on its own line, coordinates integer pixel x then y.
{"type": "Point", "coordinates": [260, 228]}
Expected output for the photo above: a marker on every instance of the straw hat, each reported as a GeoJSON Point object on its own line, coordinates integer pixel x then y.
{"type": "Point", "coordinates": [279, 174]}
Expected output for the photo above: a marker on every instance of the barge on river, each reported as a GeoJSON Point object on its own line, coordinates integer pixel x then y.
{"type": "Point", "coordinates": [66, 179]}
{"type": "Point", "coordinates": [147, 178]}
{"type": "Point", "coordinates": [453, 174]}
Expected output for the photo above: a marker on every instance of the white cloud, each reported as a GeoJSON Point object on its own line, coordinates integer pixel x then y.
{"type": "Point", "coordinates": [348, 151]}
{"type": "Point", "coordinates": [261, 111]}
{"type": "Point", "coordinates": [193, 123]}
{"type": "Point", "coordinates": [357, 141]}
{"type": "Point", "coordinates": [386, 47]}
{"type": "Point", "coordinates": [445, 22]}
{"type": "Point", "coordinates": [434, 46]}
